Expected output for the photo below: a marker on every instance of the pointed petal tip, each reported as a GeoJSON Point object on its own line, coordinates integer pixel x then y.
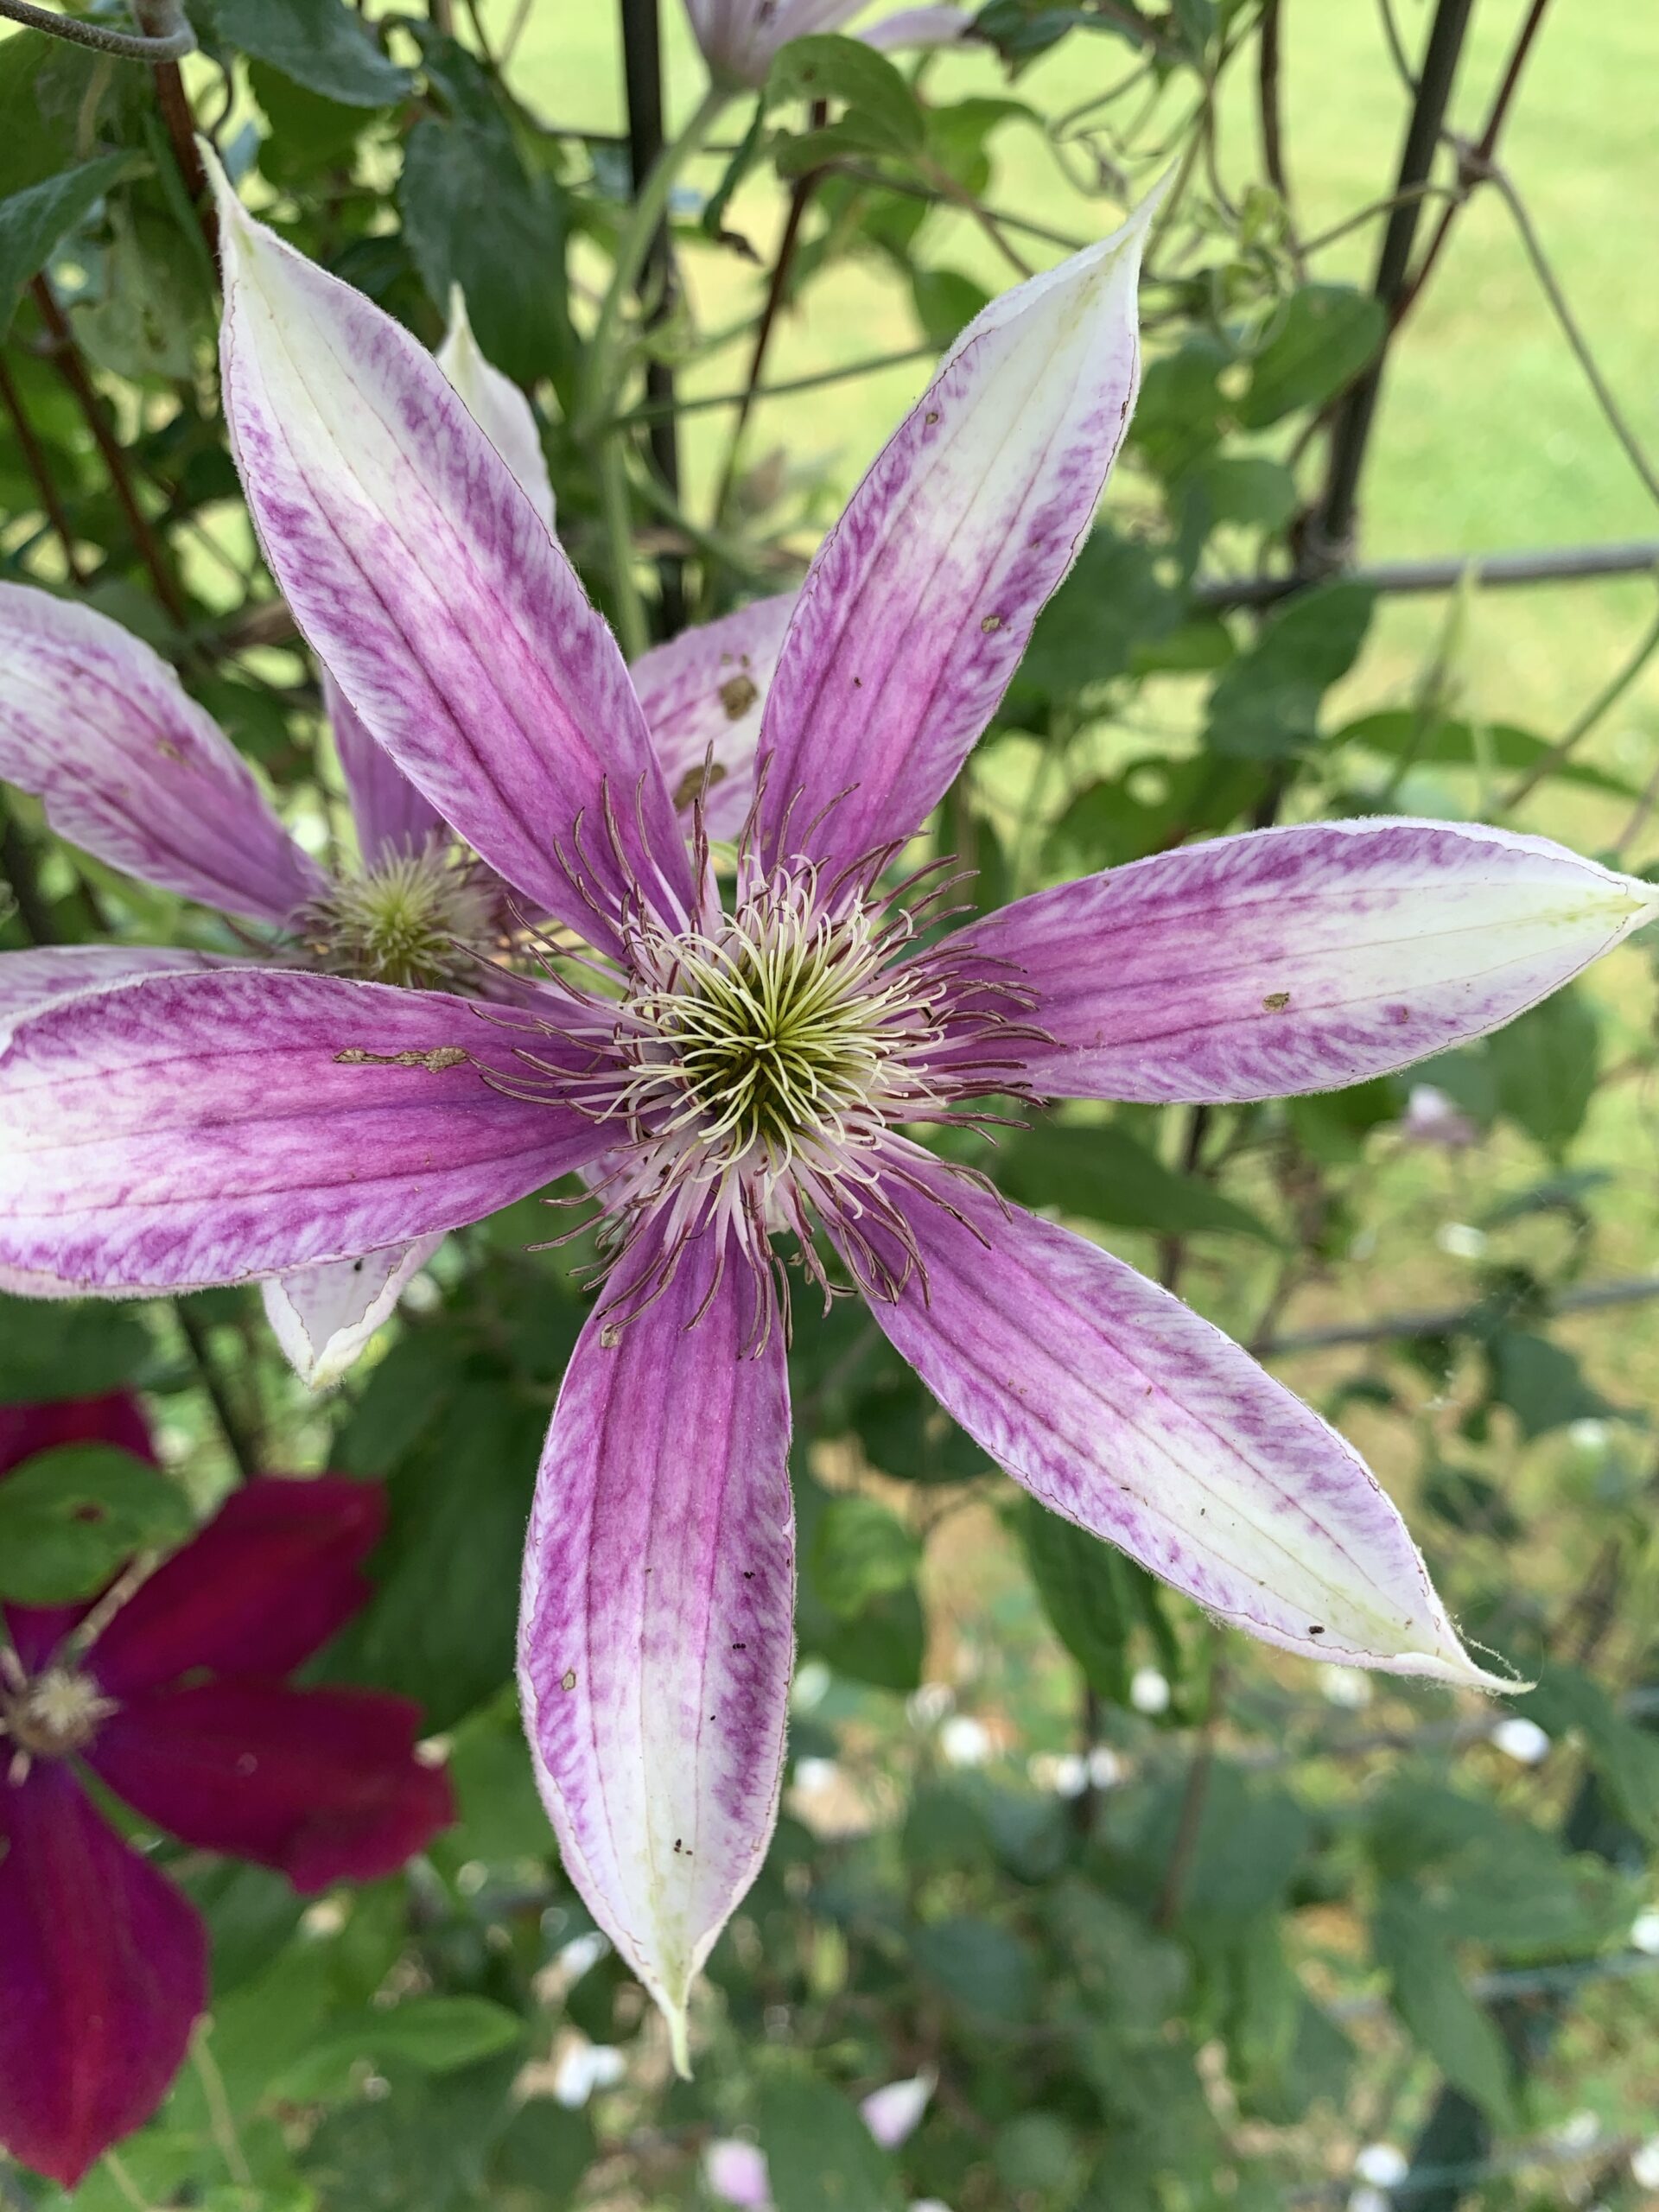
{"type": "Point", "coordinates": [679, 2034]}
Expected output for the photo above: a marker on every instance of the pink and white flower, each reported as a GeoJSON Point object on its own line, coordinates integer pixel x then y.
{"type": "Point", "coordinates": [736, 1077]}
{"type": "Point", "coordinates": [739, 37]}
{"type": "Point", "coordinates": [97, 726]}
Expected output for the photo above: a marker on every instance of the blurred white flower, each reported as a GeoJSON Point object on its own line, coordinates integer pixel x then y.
{"type": "Point", "coordinates": [1105, 1768]}
{"type": "Point", "coordinates": [1433, 1118]}
{"type": "Point", "coordinates": [581, 1953]}
{"type": "Point", "coordinates": [811, 1682]}
{"type": "Point", "coordinates": [812, 1775]}
{"type": "Point", "coordinates": [1383, 2165]}
{"type": "Point", "coordinates": [1524, 1741]}
{"type": "Point", "coordinates": [965, 1741]}
{"type": "Point", "coordinates": [736, 2173]}
{"type": "Point", "coordinates": [893, 2113]}
{"type": "Point", "coordinates": [584, 2066]}
{"type": "Point", "coordinates": [1149, 1691]}
{"type": "Point", "coordinates": [1644, 2164]}
{"type": "Point", "coordinates": [1460, 1240]}
{"type": "Point", "coordinates": [739, 37]}
{"type": "Point", "coordinates": [1578, 2131]}
{"type": "Point", "coordinates": [1644, 1932]}
{"type": "Point", "coordinates": [928, 1705]}
{"type": "Point", "coordinates": [1347, 1686]}
{"type": "Point", "coordinates": [1367, 2199]}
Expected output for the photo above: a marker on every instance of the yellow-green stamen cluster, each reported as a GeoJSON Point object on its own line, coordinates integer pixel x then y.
{"type": "Point", "coordinates": [48, 1716]}
{"type": "Point", "coordinates": [418, 921]}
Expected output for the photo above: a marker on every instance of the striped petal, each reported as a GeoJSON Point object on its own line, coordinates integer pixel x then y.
{"type": "Point", "coordinates": [99, 728]}
{"type": "Point", "coordinates": [497, 407]}
{"type": "Point", "coordinates": [198, 1130]}
{"type": "Point", "coordinates": [703, 693]}
{"type": "Point", "coordinates": [428, 585]}
{"type": "Point", "coordinates": [656, 1634]}
{"type": "Point", "coordinates": [389, 815]}
{"type": "Point", "coordinates": [30, 980]}
{"type": "Point", "coordinates": [324, 1317]}
{"type": "Point", "coordinates": [919, 604]}
{"type": "Point", "coordinates": [1117, 1406]}
{"type": "Point", "coordinates": [1298, 959]}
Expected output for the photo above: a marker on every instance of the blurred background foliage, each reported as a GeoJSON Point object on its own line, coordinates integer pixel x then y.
{"type": "Point", "coordinates": [1175, 1921]}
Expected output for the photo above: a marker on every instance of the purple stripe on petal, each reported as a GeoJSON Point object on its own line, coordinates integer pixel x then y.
{"type": "Point", "coordinates": [1298, 959]}
{"type": "Point", "coordinates": [323, 1785]}
{"type": "Point", "coordinates": [391, 816]}
{"type": "Point", "coordinates": [197, 1129]}
{"type": "Point", "coordinates": [1117, 1406]}
{"type": "Point", "coordinates": [703, 693]}
{"type": "Point", "coordinates": [657, 1628]}
{"type": "Point", "coordinates": [32, 981]}
{"type": "Point", "coordinates": [105, 1970]}
{"type": "Point", "coordinates": [324, 1317]}
{"type": "Point", "coordinates": [921, 600]}
{"type": "Point", "coordinates": [98, 726]}
{"type": "Point", "coordinates": [428, 583]}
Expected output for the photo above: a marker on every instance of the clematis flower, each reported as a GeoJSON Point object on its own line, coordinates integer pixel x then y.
{"type": "Point", "coordinates": [736, 2173]}
{"type": "Point", "coordinates": [742, 1081]}
{"type": "Point", "coordinates": [97, 726]}
{"type": "Point", "coordinates": [739, 37]}
{"type": "Point", "coordinates": [168, 1691]}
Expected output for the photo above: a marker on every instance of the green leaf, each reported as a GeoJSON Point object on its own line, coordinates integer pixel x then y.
{"type": "Point", "coordinates": [1448, 741]}
{"type": "Point", "coordinates": [819, 2153]}
{"type": "Point", "coordinates": [472, 217]}
{"type": "Point", "coordinates": [322, 44]}
{"type": "Point", "coordinates": [34, 221]}
{"type": "Point", "coordinates": [1542, 1383]}
{"type": "Point", "coordinates": [544, 2148]}
{"type": "Point", "coordinates": [1626, 1755]}
{"type": "Point", "coordinates": [1322, 338]}
{"type": "Point", "coordinates": [1427, 1994]}
{"type": "Point", "coordinates": [881, 108]}
{"type": "Point", "coordinates": [861, 1551]}
{"type": "Point", "coordinates": [70, 1518]}
{"type": "Point", "coordinates": [1103, 1173]}
{"type": "Point", "coordinates": [1545, 1066]}
{"type": "Point", "coordinates": [309, 133]}
{"type": "Point", "coordinates": [1090, 1592]}
{"type": "Point", "coordinates": [982, 1966]}
{"type": "Point", "coordinates": [946, 303]}
{"type": "Point", "coordinates": [440, 1625]}
{"type": "Point", "coordinates": [1266, 706]}
{"type": "Point", "coordinates": [49, 1349]}
{"type": "Point", "coordinates": [437, 2034]}
{"type": "Point", "coordinates": [1114, 600]}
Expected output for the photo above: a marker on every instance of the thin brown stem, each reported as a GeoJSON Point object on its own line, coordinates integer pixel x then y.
{"type": "Point", "coordinates": [777, 285]}
{"type": "Point", "coordinates": [40, 475]}
{"type": "Point", "coordinates": [240, 1438]}
{"type": "Point", "coordinates": [66, 356]}
{"type": "Point", "coordinates": [1485, 147]}
{"type": "Point", "coordinates": [1190, 1820]}
{"type": "Point", "coordinates": [1270, 103]}
{"type": "Point", "coordinates": [1172, 1250]}
{"type": "Point", "coordinates": [169, 44]}
{"type": "Point", "coordinates": [17, 866]}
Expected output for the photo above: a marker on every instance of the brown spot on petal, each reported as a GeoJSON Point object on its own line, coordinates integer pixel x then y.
{"type": "Point", "coordinates": [932, 416]}
{"type": "Point", "coordinates": [737, 694]}
{"type": "Point", "coordinates": [568, 1678]}
{"type": "Point", "coordinates": [992, 622]}
{"type": "Point", "coordinates": [698, 783]}
{"type": "Point", "coordinates": [1276, 1001]}
{"type": "Point", "coordinates": [445, 1055]}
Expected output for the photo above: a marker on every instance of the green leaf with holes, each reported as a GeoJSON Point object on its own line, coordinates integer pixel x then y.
{"type": "Point", "coordinates": [69, 1518]}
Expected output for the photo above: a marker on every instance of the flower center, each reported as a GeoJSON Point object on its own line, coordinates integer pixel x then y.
{"type": "Point", "coordinates": [771, 1037]}
{"type": "Point", "coordinates": [420, 920]}
{"type": "Point", "coordinates": [50, 1716]}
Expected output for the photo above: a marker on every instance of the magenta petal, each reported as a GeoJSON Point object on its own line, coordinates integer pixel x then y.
{"type": "Point", "coordinates": [105, 1972]}
{"type": "Point", "coordinates": [197, 1129]}
{"type": "Point", "coordinates": [1117, 1406]}
{"type": "Point", "coordinates": [434, 592]}
{"type": "Point", "coordinates": [657, 1629]}
{"type": "Point", "coordinates": [391, 814]}
{"type": "Point", "coordinates": [322, 1784]}
{"type": "Point", "coordinates": [98, 726]}
{"type": "Point", "coordinates": [270, 1576]}
{"type": "Point", "coordinates": [29, 981]}
{"type": "Point", "coordinates": [1296, 959]}
{"type": "Point", "coordinates": [920, 601]}
{"type": "Point", "coordinates": [703, 693]}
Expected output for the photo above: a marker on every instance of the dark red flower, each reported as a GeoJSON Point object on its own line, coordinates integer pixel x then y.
{"type": "Point", "coordinates": [172, 1694]}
